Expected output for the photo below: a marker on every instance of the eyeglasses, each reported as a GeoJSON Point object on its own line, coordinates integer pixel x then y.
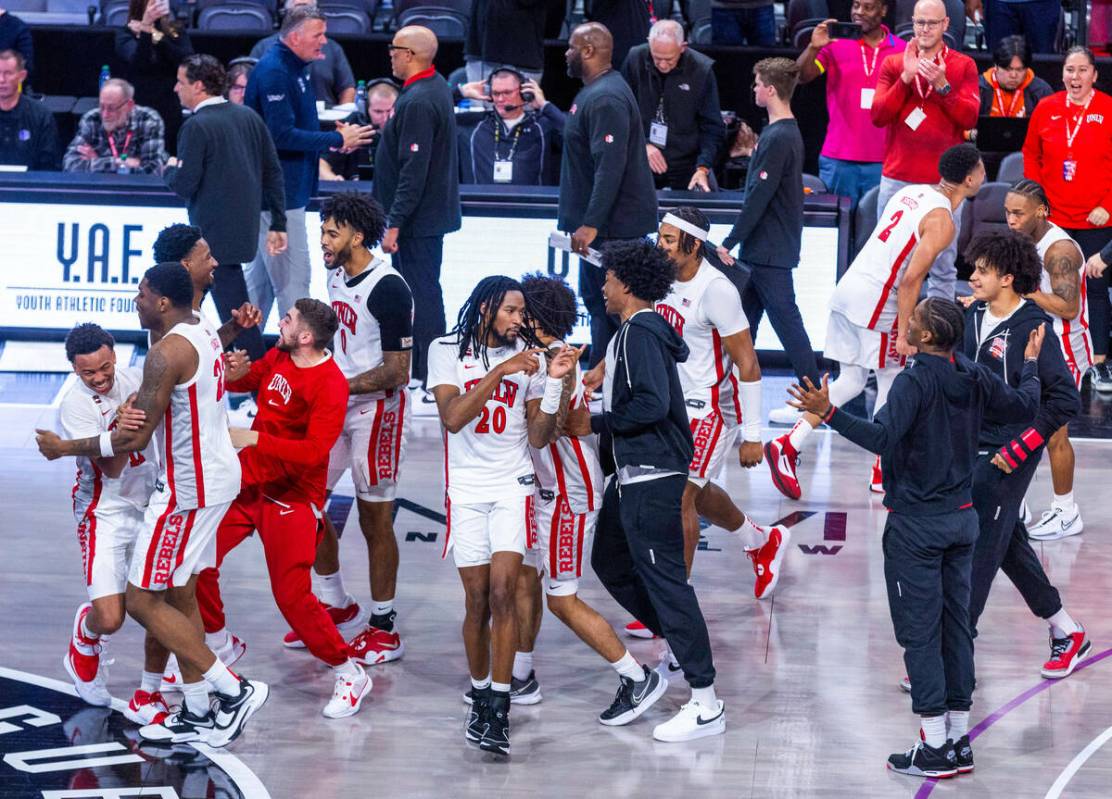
{"type": "Point", "coordinates": [927, 24]}
{"type": "Point", "coordinates": [510, 93]}
{"type": "Point", "coordinates": [393, 47]}
{"type": "Point", "coordinates": [111, 109]}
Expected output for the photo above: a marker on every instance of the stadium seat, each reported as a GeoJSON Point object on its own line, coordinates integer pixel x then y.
{"type": "Point", "coordinates": [1011, 168]}
{"type": "Point", "coordinates": [988, 209]}
{"type": "Point", "coordinates": [864, 219]}
{"type": "Point", "coordinates": [800, 11]}
{"type": "Point", "coordinates": [113, 14]}
{"type": "Point", "coordinates": [347, 19]}
{"type": "Point", "coordinates": [236, 16]}
{"type": "Point", "coordinates": [814, 183]}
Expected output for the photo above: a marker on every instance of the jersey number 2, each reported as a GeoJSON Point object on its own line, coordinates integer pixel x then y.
{"type": "Point", "coordinates": [895, 220]}
{"type": "Point", "coordinates": [497, 420]}
{"type": "Point", "coordinates": [218, 373]}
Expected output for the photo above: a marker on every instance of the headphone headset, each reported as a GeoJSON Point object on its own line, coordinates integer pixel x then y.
{"type": "Point", "coordinates": [526, 96]}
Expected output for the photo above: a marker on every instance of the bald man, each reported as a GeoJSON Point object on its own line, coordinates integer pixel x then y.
{"type": "Point", "coordinates": [417, 182]}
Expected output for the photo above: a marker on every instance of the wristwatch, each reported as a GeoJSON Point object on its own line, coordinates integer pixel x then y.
{"type": "Point", "coordinates": [944, 90]}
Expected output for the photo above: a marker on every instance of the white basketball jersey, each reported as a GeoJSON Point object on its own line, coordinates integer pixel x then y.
{"type": "Point", "coordinates": [359, 339]}
{"type": "Point", "coordinates": [570, 466]}
{"type": "Point", "coordinates": [488, 459]}
{"type": "Point", "coordinates": [199, 464]}
{"type": "Point", "coordinates": [866, 294]}
{"type": "Point", "coordinates": [1073, 333]}
{"type": "Point", "coordinates": [85, 413]}
{"type": "Point", "coordinates": [707, 376]}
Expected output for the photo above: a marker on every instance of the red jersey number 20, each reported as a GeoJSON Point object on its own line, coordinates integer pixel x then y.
{"type": "Point", "coordinates": [218, 373]}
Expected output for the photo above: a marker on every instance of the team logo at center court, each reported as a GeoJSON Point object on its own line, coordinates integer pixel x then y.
{"type": "Point", "coordinates": [999, 348]}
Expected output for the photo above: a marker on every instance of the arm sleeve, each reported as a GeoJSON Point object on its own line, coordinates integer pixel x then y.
{"type": "Point", "coordinates": [768, 165]}
{"type": "Point", "coordinates": [275, 102]}
{"type": "Point", "coordinates": [254, 377]}
{"type": "Point", "coordinates": [274, 186]}
{"type": "Point", "coordinates": [647, 368]}
{"type": "Point", "coordinates": [962, 104]}
{"type": "Point", "coordinates": [712, 130]}
{"type": "Point", "coordinates": [391, 303]}
{"type": "Point", "coordinates": [79, 418]}
{"type": "Point", "coordinates": [326, 420]}
{"type": "Point", "coordinates": [891, 92]}
{"type": "Point", "coordinates": [442, 359]}
{"type": "Point", "coordinates": [891, 422]}
{"type": "Point", "coordinates": [185, 178]}
{"type": "Point", "coordinates": [722, 306]}
{"type": "Point", "coordinates": [609, 131]}
{"type": "Point", "coordinates": [414, 141]}
{"type": "Point", "coordinates": [535, 389]}
{"type": "Point", "coordinates": [825, 61]}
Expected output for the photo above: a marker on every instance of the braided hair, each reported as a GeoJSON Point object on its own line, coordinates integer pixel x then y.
{"type": "Point", "coordinates": [945, 320]}
{"type": "Point", "coordinates": [688, 243]}
{"type": "Point", "coordinates": [551, 303]}
{"type": "Point", "coordinates": [479, 311]}
{"type": "Point", "coordinates": [1031, 189]}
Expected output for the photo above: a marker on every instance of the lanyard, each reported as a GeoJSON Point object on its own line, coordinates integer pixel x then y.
{"type": "Point", "coordinates": [112, 144]}
{"type": "Point", "coordinates": [1080, 121]}
{"type": "Point", "coordinates": [652, 13]}
{"type": "Point", "coordinates": [940, 58]}
{"type": "Point", "coordinates": [1017, 98]}
{"type": "Point", "coordinates": [660, 111]}
{"type": "Point", "coordinates": [864, 64]}
{"type": "Point", "coordinates": [513, 144]}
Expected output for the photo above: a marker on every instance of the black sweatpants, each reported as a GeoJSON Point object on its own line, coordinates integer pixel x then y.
{"type": "Point", "coordinates": [927, 566]}
{"type": "Point", "coordinates": [418, 259]}
{"type": "Point", "coordinates": [638, 556]}
{"type": "Point", "coordinates": [1092, 241]}
{"type": "Point", "coordinates": [229, 291]}
{"type": "Point", "coordinates": [771, 290]}
{"type": "Point", "coordinates": [1002, 543]}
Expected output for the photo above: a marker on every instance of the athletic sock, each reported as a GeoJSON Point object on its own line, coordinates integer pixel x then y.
{"type": "Point", "coordinates": [150, 681]}
{"type": "Point", "coordinates": [196, 697]}
{"type": "Point", "coordinates": [1063, 502]}
{"type": "Point", "coordinates": [752, 536]}
{"type": "Point", "coordinates": [799, 434]}
{"type": "Point", "coordinates": [934, 730]}
{"type": "Point", "coordinates": [481, 685]}
{"type": "Point", "coordinates": [218, 639]}
{"type": "Point", "coordinates": [705, 696]}
{"type": "Point", "coordinates": [500, 688]}
{"type": "Point", "coordinates": [382, 608]}
{"type": "Point", "coordinates": [1062, 624]}
{"type": "Point", "coordinates": [348, 669]}
{"type": "Point", "coordinates": [222, 680]}
{"type": "Point", "coordinates": [959, 724]}
{"type": "Point", "coordinates": [523, 665]}
{"type": "Point", "coordinates": [329, 588]}
{"type": "Point", "coordinates": [627, 666]}
{"type": "Point", "coordinates": [86, 632]}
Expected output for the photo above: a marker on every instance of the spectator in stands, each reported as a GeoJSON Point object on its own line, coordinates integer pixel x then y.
{"type": "Point", "coordinates": [331, 76]}
{"type": "Point", "coordinates": [28, 134]}
{"type": "Point", "coordinates": [852, 153]}
{"type": "Point", "coordinates": [382, 94]}
{"type": "Point", "coordinates": [417, 182]}
{"type": "Point", "coordinates": [628, 22]}
{"type": "Point", "coordinates": [678, 96]}
{"type": "Point", "coordinates": [1069, 152]}
{"type": "Point", "coordinates": [279, 90]}
{"type": "Point", "coordinates": [508, 33]}
{"type": "Point", "coordinates": [151, 46]}
{"type": "Point", "coordinates": [606, 187]}
{"type": "Point", "coordinates": [770, 225]}
{"type": "Point", "coordinates": [516, 143]}
{"type": "Point", "coordinates": [751, 22]}
{"type": "Point", "coordinates": [927, 99]}
{"type": "Point", "coordinates": [1035, 20]}
{"type": "Point", "coordinates": [239, 70]}
{"type": "Point", "coordinates": [228, 173]}
{"type": "Point", "coordinates": [117, 135]}
{"type": "Point", "coordinates": [15, 35]}
{"type": "Point", "coordinates": [1010, 87]}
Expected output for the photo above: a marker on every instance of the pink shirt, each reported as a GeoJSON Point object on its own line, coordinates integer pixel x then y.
{"type": "Point", "coordinates": [852, 66]}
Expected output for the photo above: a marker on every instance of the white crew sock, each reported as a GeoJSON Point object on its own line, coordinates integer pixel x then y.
{"type": "Point", "coordinates": [349, 669]}
{"type": "Point", "coordinates": [1062, 624]}
{"type": "Point", "coordinates": [150, 681]}
{"type": "Point", "coordinates": [500, 687]}
{"type": "Point", "coordinates": [752, 536]}
{"type": "Point", "coordinates": [218, 639]}
{"type": "Point", "coordinates": [482, 684]}
{"type": "Point", "coordinates": [221, 679]}
{"type": "Point", "coordinates": [1063, 502]}
{"type": "Point", "coordinates": [523, 665]}
{"type": "Point", "coordinates": [329, 589]}
{"type": "Point", "coordinates": [383, 608]}
{"type": "Point", "coordinates": [799, 434]}
{"type": "Point", "coordinates": [627, 666]}
{"type": "Point", "coordinates": [705, 696]}
{"type": "Point", "coordinates": [959, 724]}
{"type": "Point", "coordinates": [934, 730]}
{"type": "Point", "coordinates": [196, 697]}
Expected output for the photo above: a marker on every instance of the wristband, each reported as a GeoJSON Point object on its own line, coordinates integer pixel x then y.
{"type": "Point", "coordinates": [106, 450]}
{"type": "Point", "coordinates": [1019, 449]}
{"type": "Point", "coordinates": [750, 395]}
{"type": "Point", "coordinates": [553, 390]}
{"type": "Point", "coordinates": [826, 417]}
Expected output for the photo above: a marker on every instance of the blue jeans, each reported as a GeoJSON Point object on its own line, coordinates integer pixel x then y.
{"type": "Point", "coordinates": [751, 26]}
{"type": "Point", "coordinates": [851, 179]}
{"type": "Point", "coordinates": [1037, 20]}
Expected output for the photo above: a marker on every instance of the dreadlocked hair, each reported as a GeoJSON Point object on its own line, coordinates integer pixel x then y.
{"type": "Point", "coordinates": [551, 303]}
{"type": "Point", "coordinates": [480, 309]}
{"type": "Point", "coordinates": [1032, 189]}
{"type": "Point", "coordinates": [688, 213]}
{"type": "Point", "coordinates": [945, 320]}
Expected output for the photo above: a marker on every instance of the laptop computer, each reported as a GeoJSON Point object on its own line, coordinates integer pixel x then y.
{"type": "Point", "coordinates": [1001, 134]}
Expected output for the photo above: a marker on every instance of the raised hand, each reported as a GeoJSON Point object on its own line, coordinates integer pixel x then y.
{"type": "Point", "coordinates": [811, 399]}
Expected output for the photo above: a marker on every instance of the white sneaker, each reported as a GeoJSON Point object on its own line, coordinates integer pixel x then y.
{"type": "Point", "coordinates": [693, 721]}
{"type": "Point", "coordinates": [668, 667]}
{"type": "Point", "coordinates": [424, 403]}
{"type": "Point", "coordinates": [245, 414]}
{"type": "Point", "coordinates": [348, 695]}
{"type": "Point", "coordinates": [1057, 523]}
{"type": "Point", "coordinates": [1025, 513]}
{"type": "Point", "coordinates": [785, 415]}
{"type": "Point", "coordinates": [232, 650]}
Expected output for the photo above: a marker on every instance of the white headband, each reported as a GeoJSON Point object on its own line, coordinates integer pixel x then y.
{"type": "Point", "coordinates": [686, 227]}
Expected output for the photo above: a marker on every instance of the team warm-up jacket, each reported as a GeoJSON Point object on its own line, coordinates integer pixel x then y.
{"type": "Point", "coordinates": [926, 434]}
{"type": "Point", "coordinates": [1001, 352]}
{"type": "Point", "coordinates": [647, 417]}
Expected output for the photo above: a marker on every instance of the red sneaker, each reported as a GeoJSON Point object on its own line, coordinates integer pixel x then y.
{"type": "Point", "coordinates": [145, 708]}
{"type": "Point", "coordinates": [876, 483]}
{"type": "Point", "coordinates": [84, 669]}
{"type": "Point", "coordinates": [348, 620]}
{"type": "Point", "coordinates": [782, 459]}
{"type": "Point", "coordinates": [1065, 654]}
{"type": "Point", "coordinates": [374, 646]}
{"type": "Point", "coordinates": [636, 629]}
{"type": "Point", "coordinates": [767, 560]}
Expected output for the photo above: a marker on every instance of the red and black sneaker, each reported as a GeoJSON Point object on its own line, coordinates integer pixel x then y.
{"type": "Point", "coordinates": [782, 459]}
{"type": "Point", "coordinates": [1065, 655]}
{"type": "Point", "coordinates": [767, 560]}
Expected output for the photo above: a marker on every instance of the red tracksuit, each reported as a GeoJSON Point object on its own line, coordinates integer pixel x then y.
{"type": "Point", "coordinates": [301, 413]}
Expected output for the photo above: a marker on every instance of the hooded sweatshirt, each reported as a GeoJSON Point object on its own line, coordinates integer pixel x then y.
{"type": "Point", "coordinates": [926, 434]}
{"type": "Point", "coordinates": [1001, 350]}
{"type": "Point", "coordinates": [1019, 103]}
{"type": "Point", "coordinates": [643, 407]}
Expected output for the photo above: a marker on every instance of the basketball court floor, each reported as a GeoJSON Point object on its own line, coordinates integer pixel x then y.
{"type": "Point", "coordinates": [810, 677]}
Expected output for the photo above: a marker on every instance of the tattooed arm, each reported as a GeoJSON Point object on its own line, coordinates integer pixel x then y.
{"type": "Point", "coordinates": [392, 373]}
{"type": "Point", "coordinates": [1063, 264]}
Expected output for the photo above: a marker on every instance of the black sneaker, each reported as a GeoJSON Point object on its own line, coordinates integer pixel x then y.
{"type": "Point", "coordinates": [496, 736]}
{"type": "Point", "coordinates": [926, 761]}
{"type": "Point", "coordinates": [634, 698]}
{"type": "Point", "coordinates": [181, 727]}
{"type": "Point", "coordinates": [232, 712]}
{"type": "Point", "coordinates": [1101, 377]}
{"type": "Point", "coordinates": [964, 754]}
{"type": "Point", "coordinates": [475, 724]}
{"type": "Point", "coordinates": [525, 692]}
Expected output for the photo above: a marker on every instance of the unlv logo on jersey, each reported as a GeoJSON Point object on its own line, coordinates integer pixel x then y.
{"type": "Point", "coordinates": [278, 383]}
{"type": "Point", "coordinates": [346, 314]}
{"type": "Point", "coordinates": [674, 317]}
{"type": "Point", "coordinates": [505, 393]}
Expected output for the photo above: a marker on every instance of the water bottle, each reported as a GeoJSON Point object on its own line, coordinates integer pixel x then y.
{"type": "Point", "coordinates": [122, 168]}
{"type": "Point", "coordinates": [105, 75]}
{"type": "Point", "coordinates": [361, 98]}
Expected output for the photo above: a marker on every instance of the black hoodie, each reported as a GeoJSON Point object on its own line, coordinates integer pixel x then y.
{"type": "Point", "coordinates": [647, 418]}
{"type": "Point", "coordinates": [1002, 352]}
{"type": "Point", "coordinates": [926, 434]}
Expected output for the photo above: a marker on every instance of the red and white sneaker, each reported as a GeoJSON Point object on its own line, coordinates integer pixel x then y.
{"type": "Point", "coordinates": [782, 459]}
{"type": "Point", "coordinates": [83, 667]}
{"type": "Point", "coordinates": [348, 620]}
{"type": "Point", "coordinates": [767, 560]}
{"type": "Point", "coordinates": [636, 629]}
{"type": "Point", "coordinates": [145, 708]}
{"type": "Point", "coordinates": [373, 646]}
{"type": "Point", "coordinates": [347, 695]}
{"type": "Point", "coordinates": [1065, 655]}
{"type": "Point", "coordinates": [233, 649]}
{"type": "Point", "coordinates": [876, 482]}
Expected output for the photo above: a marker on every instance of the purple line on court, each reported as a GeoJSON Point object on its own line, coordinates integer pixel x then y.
{"type": "Point", "coordinates": [793, 518]}
{"type": "Point", "coordinates": [835, 528]}
{"type": "Point", "coordinates": [999, 713]}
